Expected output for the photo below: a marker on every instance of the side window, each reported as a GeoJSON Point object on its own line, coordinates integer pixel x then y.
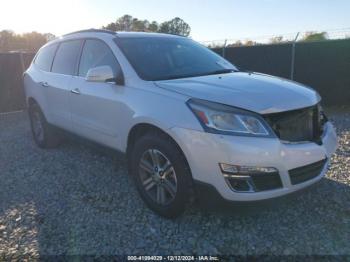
{"type": "Point", "coordinates": [66, 57]}
{"type": "Point", "coordinates": [96, 53]}
{"type": "Point", "coordinates": [45, 57]}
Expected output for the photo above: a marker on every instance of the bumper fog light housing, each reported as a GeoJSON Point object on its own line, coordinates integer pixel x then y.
{"type": "Point", "coordinates": [249, 179]}
{"type": "Point", "coordinates": [244, 170]}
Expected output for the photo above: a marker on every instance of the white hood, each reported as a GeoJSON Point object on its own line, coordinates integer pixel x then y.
{"type": "Point", "coordinates": [251, 91]}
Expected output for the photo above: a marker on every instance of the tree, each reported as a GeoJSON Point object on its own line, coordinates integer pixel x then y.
{"type": "Point", "coordinates": [129, 23]}
{"type": "Point", "coordinates": [124, 23]}
{"type": "Point", "coordinates": [249, 43]}
{"type": "Point", "coordinates": [176, 26]}
{"type": "Point", "coordinates": [30, 42]}
{"type": "Point", "coordinates": [153, 27]}
{"type": "Point", "coordinates": [276, 40]}
{"type": "Point", "coordinates": [139, 25]}
{"type": "Point", "coordinates": [33, 41]}
{"type": "Point", "coordinates": [6, 40]}
{"type": "Point", "coordinates": [49, 36]}
{"type": "Point", "coordinates": [111, 26]}
{"type": "Point", "coordinates": [236, 44]}
{"type": "Point", "coordinates": [314, 36]}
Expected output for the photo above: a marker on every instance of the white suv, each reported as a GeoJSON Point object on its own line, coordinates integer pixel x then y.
{"type": "Point", "coordinates": [188, 120]}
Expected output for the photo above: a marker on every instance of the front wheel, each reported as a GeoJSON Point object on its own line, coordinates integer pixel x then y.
{"type": "Point", "coordinates": [161, 174]}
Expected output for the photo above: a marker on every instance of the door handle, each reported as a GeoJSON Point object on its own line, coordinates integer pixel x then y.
{"type": "Point", "coordinates": [75, 91]}
{"type": "Point", "coordinates": [44, 84]}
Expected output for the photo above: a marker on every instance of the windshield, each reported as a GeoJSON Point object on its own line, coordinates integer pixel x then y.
{"type": "Point", "coordinates": [163, 58]}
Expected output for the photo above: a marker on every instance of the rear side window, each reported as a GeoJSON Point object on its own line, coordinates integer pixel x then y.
{"type": "Point", "coordinates": [45, 57]}
{"type": "Point", "coordinates": [96, 53]}
{"type": "Point", "coordinates": [66, 57]}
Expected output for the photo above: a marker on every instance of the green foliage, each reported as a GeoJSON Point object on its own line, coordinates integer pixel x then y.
{"type": "Point", "coordinates": [29, 42]}
{"type": "Point", "coordinates": [176, 26]}
{"type": "Point", "coordinates": [276, 40]}
{"type": "Point", "coordinates": [235, 44]}
{"type": "Point", "coordinates": [153, 27]}
{"type": "Point", "coordinates": [249, 43]}
{"type": "Point", "coordinates": [128, 23]}
{"type": "Point", "coordinates": [313, 36]}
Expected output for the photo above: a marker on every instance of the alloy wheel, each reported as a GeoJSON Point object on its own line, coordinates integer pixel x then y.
{"type": "Point", "coordinates": [158, 177]}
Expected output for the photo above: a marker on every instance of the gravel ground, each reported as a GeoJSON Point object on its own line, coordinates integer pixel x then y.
{"type": "Point", "coordinates": [77, 200]}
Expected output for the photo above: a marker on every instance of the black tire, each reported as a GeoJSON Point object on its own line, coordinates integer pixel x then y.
{"type": "Point", "coordinates": [162, 143]}
{"type": "Point", "coordinates": [49, 136]}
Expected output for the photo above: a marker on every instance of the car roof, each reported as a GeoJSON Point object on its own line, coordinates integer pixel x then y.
{"type": "Point", "coordinates": [145, 34]}
{"type": "Point", "coordinates": [121, 34]}
{"type": "Point", "coordinates": [107, 34]}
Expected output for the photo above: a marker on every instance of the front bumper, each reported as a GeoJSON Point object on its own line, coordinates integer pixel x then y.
{"type": "Point", "coordinates": [204, 152]}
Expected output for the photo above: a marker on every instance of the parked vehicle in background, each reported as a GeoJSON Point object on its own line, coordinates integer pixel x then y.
{"type": "Point", "coordinates": [188, 120]}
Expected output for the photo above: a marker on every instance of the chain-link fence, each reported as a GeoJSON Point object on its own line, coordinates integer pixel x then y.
{"type": "Point", "coordinates": [318, 59]}
{"type": "Point", "coordinates": [307, 36]}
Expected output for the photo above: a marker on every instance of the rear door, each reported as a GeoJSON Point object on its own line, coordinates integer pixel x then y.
{"type": "Point", "coordinates": [95, 106]}
{"type": "Point", "coordinates": [40, 77]}
{"type": "Point", "coordinates": [63, 68]}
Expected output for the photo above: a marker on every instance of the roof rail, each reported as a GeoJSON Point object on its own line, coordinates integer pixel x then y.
{"type": "Point", "coordinates": [92, 30]}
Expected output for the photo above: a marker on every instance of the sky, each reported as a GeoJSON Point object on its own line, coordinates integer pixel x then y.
{"type": "Point", "coordinates": [209, 19]}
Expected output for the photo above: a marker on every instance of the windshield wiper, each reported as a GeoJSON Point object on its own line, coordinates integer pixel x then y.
{"type": "Point", "coordinates": [171, 77]}
{"type": "Point", "coordinates": [217, 72]}
{"type": "Point", "coordinates": [221, 71]}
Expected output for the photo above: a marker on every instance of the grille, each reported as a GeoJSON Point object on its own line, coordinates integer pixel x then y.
{"type": "Point", "coordinates": [298, 125]}
{"type": "Point", "coordinates": [305, 173]}
{"type": "Point", "coordinates": [256, 182]}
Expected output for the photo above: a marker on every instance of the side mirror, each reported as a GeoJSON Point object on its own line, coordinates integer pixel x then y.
{"type": "Point", "coordinates": [103, 74]}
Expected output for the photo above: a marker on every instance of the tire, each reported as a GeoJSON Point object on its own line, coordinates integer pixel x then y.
{"type": "Point", "coordinates": [44, 134]}
{"type": "Point", "coordinates": [178, 173]}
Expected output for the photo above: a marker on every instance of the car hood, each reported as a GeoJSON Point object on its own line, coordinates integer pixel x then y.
{"type": "Point", "coordinates": [251, 91]}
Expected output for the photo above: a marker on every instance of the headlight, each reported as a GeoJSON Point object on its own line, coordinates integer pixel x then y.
{"type": "Point", "coordinates": [218, 118]}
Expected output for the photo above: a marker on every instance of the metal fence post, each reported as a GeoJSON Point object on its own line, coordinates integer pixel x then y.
{"type": "Point", "coordinates": [293, 57]}
{"type": "Point", "coordinates": [224, 49]}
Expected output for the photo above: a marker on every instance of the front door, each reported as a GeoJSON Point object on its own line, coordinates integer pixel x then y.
{"type": "Point", "coordinates": [94, 105]}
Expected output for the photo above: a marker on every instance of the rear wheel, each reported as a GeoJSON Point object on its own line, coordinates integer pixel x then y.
{"type": "Point", "coordinates": [161, 174]}
{"type": "Point", "coordinates": [44, 134]}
